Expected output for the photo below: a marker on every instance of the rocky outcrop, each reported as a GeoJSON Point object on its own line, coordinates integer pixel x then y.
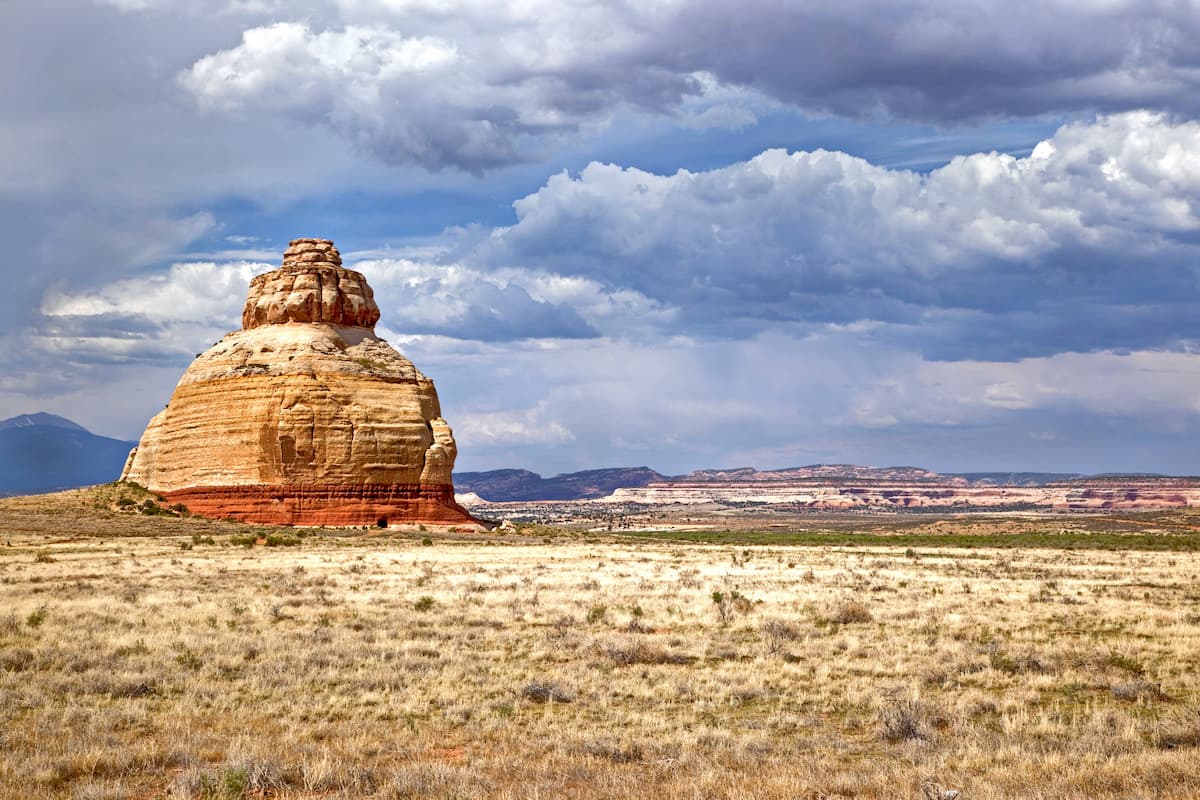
{"type": "Point", "coordinates": [311, 286]}
{"type": "Point", "coordinates": [304, 416]}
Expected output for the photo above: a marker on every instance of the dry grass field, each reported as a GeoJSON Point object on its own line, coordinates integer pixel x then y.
{"type": "Point", "coordinates": [151, 657]}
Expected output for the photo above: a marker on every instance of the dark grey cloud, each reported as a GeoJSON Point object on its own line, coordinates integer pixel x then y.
{"type": "Point", "coordinates": [476, 86]}
{"type": "Point", "coordinates": [948, 61]}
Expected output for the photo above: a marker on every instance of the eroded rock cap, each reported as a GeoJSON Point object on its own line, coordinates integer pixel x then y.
{"type": "Point", "coordinates": [310, 286]}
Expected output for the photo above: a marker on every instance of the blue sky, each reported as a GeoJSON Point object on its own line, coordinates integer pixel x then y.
{"type": "Point", "coordinates": [681, 234]}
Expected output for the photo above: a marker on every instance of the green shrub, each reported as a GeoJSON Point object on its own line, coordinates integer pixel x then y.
{"type": "Point", "coordinates": [282, 540]}
{"type": "Point", "coordinates": [1124, 662]}
{"type": "Point", "coordinates": [424, 603]}
{"type": "Point", "coordinates": [731, 603]}
{"type": "Point", "coordinates": [227, 784]}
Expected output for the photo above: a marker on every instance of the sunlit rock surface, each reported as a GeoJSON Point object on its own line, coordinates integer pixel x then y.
{"type": "Point", "coordinates": [304, 416]}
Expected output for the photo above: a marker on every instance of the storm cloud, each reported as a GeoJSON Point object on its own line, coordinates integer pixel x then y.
{"type": "Point", "coordinates": [477, 85]}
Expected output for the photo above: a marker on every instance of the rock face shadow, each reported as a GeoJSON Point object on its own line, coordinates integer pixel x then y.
{"type": "Point", "coordinates": [304, 416]}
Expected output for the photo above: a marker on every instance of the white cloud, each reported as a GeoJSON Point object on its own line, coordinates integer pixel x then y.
{"type": "Point", "coordinates": [405, 99]}
{"type": "Point", "coordinates": [531, 426]}
{"type": "Point", "coordinates": [187, 292]}
{"type": "Point", "coordinates": [989, 251]}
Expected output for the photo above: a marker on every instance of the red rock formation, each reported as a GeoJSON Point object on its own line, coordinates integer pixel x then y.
{"type": "Point", "coordinates": [304, 416]}
{"type": "Point", "coordinates": [297, 504]}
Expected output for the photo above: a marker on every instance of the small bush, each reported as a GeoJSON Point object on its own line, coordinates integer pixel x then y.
{"type": "Point", "coordinates": [427, 541]}
{"type": "Point", "coordinates": [1138, 690]}
{"type": "Point", "coordinates": [151, 508]}
{"type": "Point", "coordinates": [638, 652]}
{"type": "Point", "coordinates": [546, 692]}
{"type": "Point", "coordinates": [36, 618]}
{"type": "Point", "coordinates": [1182, 731]}
{"type": "Point", "coordinates": [16, 660]}
{"type": "Point", "coordinates": [904, 720]}
{"type": "Point", "coordinates": [849, 612]}
{"type": "Point", "coordinates": [133, 689]}
{"type": "Point", "coordinates": [777, 632]}
{"type": "Point", "coordinates": [596, 614]}
{"type": "Point", "coordinates": [1126, 663]}
{"type": "Point", "coordinates": [231, 782]}
{"type": "Point", "coordinates": [424, 603]}
{"type": "Point", "coordinates": [246, 541]}
{"type": "Point", "coordinates": [730, 603]}
{"type": "Point", "coordinates": [188, 660]}
{"type": "Point", "coordinates": [43, 558]}
{"type": "Point", "coordinates": [614, 752]}
{"type": "Point", "coordinates": [138, 648]}
{"type": "Point", "coordinates": [1014, 665]}
{"type": "Point", "coordinates": [282, 540]}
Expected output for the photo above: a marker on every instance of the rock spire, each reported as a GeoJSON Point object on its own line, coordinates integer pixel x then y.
{"type": "Point", "coordinates": [304, 416]}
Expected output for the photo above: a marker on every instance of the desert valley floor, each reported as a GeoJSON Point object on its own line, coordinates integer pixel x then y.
{"type": "Point", "coordinates": [871, 656]}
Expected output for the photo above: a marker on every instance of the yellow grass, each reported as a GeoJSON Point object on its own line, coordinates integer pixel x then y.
{"type": "Point", "coordinates": [352, 666]}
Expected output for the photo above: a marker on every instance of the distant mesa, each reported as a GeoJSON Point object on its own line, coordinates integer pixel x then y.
{"type": "Point", "coordinates": [304, 416]}
{"type": "Point", "coordinates": [836, 488]}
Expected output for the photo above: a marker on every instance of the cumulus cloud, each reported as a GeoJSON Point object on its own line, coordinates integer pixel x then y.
{"type": "Point", "coordinates": [451, 300]}
{"type": "Point", "coordinates": [1088, 243]}
{"type": "Point", "coordinates": [403, 98]}
{"type": "Point", "coordinates": [530, 426]}
{"type": "Point", "coordinates": [478, 85]}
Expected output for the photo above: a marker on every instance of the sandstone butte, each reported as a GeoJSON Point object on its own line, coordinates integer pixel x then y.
{"type": "Point", "coordinates": [304, 416]}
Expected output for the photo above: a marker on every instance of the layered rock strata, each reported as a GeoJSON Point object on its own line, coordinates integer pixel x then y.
{"type": "Point", "coordinates": [1132, 494]}
{"type": "Point", "coordinates": [304, 416]}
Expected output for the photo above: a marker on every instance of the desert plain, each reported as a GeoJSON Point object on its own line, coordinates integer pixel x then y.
{"type": "Point", "coordinates": [146, 655]}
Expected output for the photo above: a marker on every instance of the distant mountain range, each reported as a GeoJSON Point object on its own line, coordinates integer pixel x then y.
{"type": "Point", "coordinates": [44, 453]}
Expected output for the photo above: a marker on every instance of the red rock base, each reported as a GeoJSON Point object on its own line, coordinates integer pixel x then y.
{"type": "Point", "coordinates": [365, 504]}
